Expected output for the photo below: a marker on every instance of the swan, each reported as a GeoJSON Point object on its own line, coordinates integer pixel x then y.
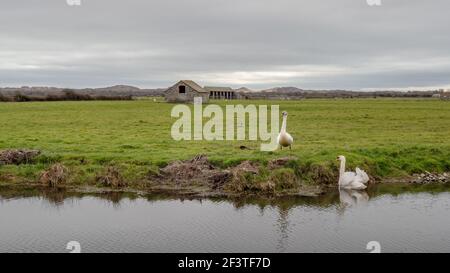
{"type": "Point", "coordinates": [284, 138]}
{"type": "Point", "coordinates": [351, 180]}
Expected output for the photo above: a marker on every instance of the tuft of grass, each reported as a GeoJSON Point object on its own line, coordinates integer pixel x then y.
{"type": "Point", "coordinates": [111, 177]}
{"type": "Point", "coordinates": [284, 179]}
{"type": "Point", "coordinates": [55, 176]}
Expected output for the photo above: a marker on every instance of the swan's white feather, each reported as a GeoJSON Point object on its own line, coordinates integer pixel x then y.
{"type": "Point", "coordinates": [285, 139]}
{"type": "Point", "coordinates": [346, 179]}
{"type": "Point", "coordinates": [352, 180]}
{"type": "Point", "coordinates": [362, 176]}
{"type": "Point", "coordinates": [356, 185]}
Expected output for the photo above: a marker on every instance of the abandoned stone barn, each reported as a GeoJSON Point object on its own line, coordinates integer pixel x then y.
{"type": "Point", "coordinates": [187, 90]}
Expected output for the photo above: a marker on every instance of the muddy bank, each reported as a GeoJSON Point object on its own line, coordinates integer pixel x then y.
{"type": "Point", "coordinates": [198, 177]}
{"type": "Point", "coordinates": [17, 156]}
{"type": "Point", "coordinates": [193, 177]}
{"type": "Point", "coordinates": [429, 178]}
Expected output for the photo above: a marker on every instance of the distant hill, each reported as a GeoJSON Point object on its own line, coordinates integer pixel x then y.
{"type": "Point", "coordinates": [119, 88]}
{"type": "Point", "coordinates": [244, 90]}
{"type": "Point", "coordinates": [293, 93]}
{"type": "Point", "coordinates": [126, 91]}
{"type": "Point", "coordinates": [288, 89]}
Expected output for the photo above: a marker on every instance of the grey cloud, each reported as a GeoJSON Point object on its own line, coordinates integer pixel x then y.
{"type": "Point", "coordinates": [257, 43]}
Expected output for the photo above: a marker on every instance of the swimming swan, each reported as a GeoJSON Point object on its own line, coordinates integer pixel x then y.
{"type": "Point", "coordinates": [351, 180]}
{"type": "Point", "coordinates": [284, 138]}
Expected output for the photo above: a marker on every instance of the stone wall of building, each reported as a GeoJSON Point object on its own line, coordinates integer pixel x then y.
{"type": "Point", "coordinates": [173, 95]}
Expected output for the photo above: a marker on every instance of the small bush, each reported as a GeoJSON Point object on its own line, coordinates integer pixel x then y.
{"type": "Point", "coordinates": [111, 178]}
{"type": "Point", "coordinates": [21, 98]}
{"type": "Point", "coordinates": [284, 179]}
{"type": "Point", "coordinates": [320, 173]}
{"type": "Point", "coordinates": [66, 95]}
{"type": "Point", "coordinates": [18, 156]}
{"type": "Point", "coordinates": [55, 176]}
{"type": "Point", "coordinates": [4, 98]}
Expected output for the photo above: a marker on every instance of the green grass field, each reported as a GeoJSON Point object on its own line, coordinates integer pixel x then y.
{"type": "Point", "coordinates": [388, 137]}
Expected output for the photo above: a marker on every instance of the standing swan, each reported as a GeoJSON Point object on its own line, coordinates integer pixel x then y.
{"type": "Point", "coordinates": [284, 138]}
{"type": "Point", "coordinates": [352, 180]}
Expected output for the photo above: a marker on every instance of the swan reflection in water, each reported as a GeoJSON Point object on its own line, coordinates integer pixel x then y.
{"type": "Point", "coordinates": [351, 198]}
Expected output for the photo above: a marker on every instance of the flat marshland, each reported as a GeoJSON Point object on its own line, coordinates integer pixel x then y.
{"type": "Point", "coordinates": [387, 137]}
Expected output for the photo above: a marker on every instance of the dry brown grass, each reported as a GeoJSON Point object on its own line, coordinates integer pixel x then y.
{"type": "Point", "coordinates": [17, 156]}
{"type": "Point", "coordinates": [54, 176]}
{"type": "Point", "coordinates": [112, 178]}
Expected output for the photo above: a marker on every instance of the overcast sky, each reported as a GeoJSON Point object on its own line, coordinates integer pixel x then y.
{"type": "Point", "coordinates": [318, 44]}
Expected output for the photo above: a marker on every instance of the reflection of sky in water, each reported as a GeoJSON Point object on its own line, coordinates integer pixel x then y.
{"type": "Point", "coordinates": [406, 222]}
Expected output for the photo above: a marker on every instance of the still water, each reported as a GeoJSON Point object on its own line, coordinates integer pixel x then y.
{"type": "Point", "coordinates": [400, 218]}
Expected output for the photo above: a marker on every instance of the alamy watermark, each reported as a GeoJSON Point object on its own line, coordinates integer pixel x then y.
{"type": "Point", "coordinates": [187, 127]}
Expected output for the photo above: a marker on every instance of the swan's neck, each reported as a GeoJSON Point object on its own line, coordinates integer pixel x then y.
{"type": "Point", "coordinates": [342, 170]}
{"type": "Point", "coordinates": [283, 125]}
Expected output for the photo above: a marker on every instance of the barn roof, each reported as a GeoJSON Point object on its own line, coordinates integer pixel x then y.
{"type": "Point", "coordinates": [194, 86]}
{"type": "Point", "coordinates": [218, 89]}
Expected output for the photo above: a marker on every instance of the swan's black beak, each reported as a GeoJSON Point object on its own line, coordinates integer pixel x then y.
{"type": "Point", "coordinates": [337, 158]}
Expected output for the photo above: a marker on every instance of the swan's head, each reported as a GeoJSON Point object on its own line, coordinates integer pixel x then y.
{"type": "Point", "coordinates": [284, 114]}
{"type": "Point", "coordinates": [340, 158]}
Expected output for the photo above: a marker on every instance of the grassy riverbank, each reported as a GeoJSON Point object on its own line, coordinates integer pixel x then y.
{"type": "Point", "coordinates": [387, 137]}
